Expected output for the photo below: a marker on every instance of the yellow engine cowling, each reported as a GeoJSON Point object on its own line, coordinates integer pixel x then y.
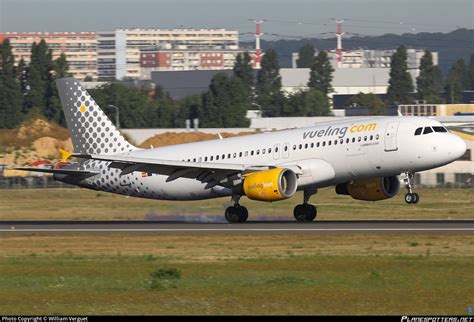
{"type": "Point", "coordinates": [372, 189]}
{"type": "Point", "coordinates": [270, 185]}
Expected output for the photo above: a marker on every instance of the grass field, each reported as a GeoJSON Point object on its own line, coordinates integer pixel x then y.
{"type": "Point", "coordinates": [329, 273]}
{"type": "Point", "coordinates": [81, 204]}
{"type": "Point", "coordinates": [239, 273]}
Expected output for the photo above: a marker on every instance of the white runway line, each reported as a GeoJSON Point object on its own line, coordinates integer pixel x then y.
{"type": "Point", "coordinates": [231, 229]}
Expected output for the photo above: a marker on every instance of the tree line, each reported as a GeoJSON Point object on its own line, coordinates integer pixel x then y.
{"type": "Point", "coordinates": [30, 89]}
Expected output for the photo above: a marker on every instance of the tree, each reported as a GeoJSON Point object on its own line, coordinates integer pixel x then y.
{"type": "Point", "coordinates": [11, 98]}
{"type": "Point", "coordinates": [371, 101]}
{"type": "Point", "coordinates": [225, 104]}
{"type": "Point", "coordinates": [321, 73]}
{"type": "Point", "coordinates": [471, 73]}
{"type": "Point", "coordinates": [61, 67]}
{"type": "Point", "coordinates": [268, 88]}
{"type": "Point", "coordinates": [243, 69]}
{"type": "Point", "coordinates": [455, 82]}
{"type": "Point", "coordinates": [305, 56]}
{"type": "Point", "coordinates": [429, 83]}
{"type": "Point", "coordinates": [400, 82]}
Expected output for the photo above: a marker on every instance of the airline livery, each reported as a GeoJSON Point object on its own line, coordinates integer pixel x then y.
{"type": "Point", "coordinates": [362, 158]}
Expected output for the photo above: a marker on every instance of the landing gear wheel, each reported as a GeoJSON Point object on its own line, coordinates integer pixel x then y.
{"type": "Point", "coordinates": [305, 213]}
{"type": "Point", "coordinates": [412, 198]}
{"type": "Point", "coordinates": [236, 214]}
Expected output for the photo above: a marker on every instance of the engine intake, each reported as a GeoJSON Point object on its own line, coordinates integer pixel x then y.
{"type": "Point", "coordinates": [270, 185]}
{"type": "Point", "coordinates": [372, 189]}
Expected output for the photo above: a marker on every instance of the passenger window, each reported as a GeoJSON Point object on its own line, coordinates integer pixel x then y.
{"type": "Point", "coordinates": [212, 158]}
{"type": "Point", "coordinates": [324, 143]}
{"type": "Point", "coordinates": [258, 151]}
{"type": "Point", "coordinates": [240, 154]}
{"type": "Point", "coordinates": [427, 130]}
{"type": "Point", "coordinates": [365, 138]}
{"type": "Point", "coordinates": [264, 151]}
{"type": "Point", "coordinates": [200, 159]}
{"type": "Point", "coordinates": [270, 150]}
{"type": "Point", "coordinates": [251, 152]}
{"type": "Point", "coordinates": [246, 153]}
{"type": "Point", "coordinates": [235, 155]}
{"type": "Point", "coordinates": [359, 139]}
{"type": "Point", "coordinates": [377, 136]}
{"type": "Point", "coordinates": [306, 145]}
{"type": "Point", "coordinates": [228, 156]}
{"type": "Point", "coordinates": [329, 142]}
{"type": "Point", "coordinates": [286, 148]}
{"type": "Point", "coordinates": [205, 159]}
{"type": "Point", "coordinates": [342, 141]}
{"type": "Point", "coordinates": [335, 142]}
{"type": "Point", "coordinates": [194, 160]}
{"type": "Point", "coordinates": [317, 144]}
{"type": "Point", "coordinates": [223, 156]}
{"type": "Point", "coordinates": [276, 150]}
{"type": "Point", "coordinates": [353, 140]}
{"type": "Point", "coordinates": [371, 137]}
{"type": "Point", "coordinates": [301, 146]}
{"type": "Point", "coordinates": [217, 157]}
{"type": "Point", "coordinates": [294, 147]}
{"type": "Point", "coordinates": [418, 131]}
{"type": "Point", "coordinates": [312, 145]}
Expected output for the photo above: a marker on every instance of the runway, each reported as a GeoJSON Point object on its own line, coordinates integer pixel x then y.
{"type": "Point", "coordinates": [249, 227]}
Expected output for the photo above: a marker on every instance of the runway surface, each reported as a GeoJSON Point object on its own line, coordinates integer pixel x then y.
{"type": "Point", "coordinates": [251, 226]}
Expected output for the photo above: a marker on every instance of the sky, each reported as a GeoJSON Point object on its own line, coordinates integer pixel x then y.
{"type": "Point", "coordinates": [284, 18]}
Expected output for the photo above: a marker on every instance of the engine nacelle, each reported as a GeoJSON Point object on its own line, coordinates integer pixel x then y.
{"type": "Point", "coordinates": [372, 189]}
{"type": "Point", "coordinates": [270, 185]}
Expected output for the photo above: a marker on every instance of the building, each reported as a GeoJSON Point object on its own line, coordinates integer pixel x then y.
{"type": "Point", "coordinates": [346, 81]}
{"type": "Point", "coordinates": [436, 110]}
{"type": "Point", "coordinates": [80, 49]}
{"type": "Point", "coordinates": [180, 84]}
{"type": "Point", "coordinates": [182, 59]}
{"type": "Point", "coordinates": [366, 58]}
{"type": "Point", "coordinates": [119, 50]}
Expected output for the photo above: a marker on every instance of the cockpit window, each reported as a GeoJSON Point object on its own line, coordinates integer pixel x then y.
{"type": "Point", "coordinates": [418, 131]}
{"type": "Point", "coordinates": [427, 130]}
{"type": "Point", "coordinates": [439, 129]}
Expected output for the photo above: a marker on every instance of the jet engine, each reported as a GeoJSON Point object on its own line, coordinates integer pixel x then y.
{"type": "Point", "coordinates": [372, 189]}
{"type": "Point", "coordinates": [270, 185]}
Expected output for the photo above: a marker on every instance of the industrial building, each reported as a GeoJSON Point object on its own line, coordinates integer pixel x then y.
{"type": "Point", "coordinates": [119, 50]}
{"type": "Point", "coordinates": [80, 49]}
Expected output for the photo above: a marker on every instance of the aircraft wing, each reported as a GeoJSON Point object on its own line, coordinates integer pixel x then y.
{"type": "Point", "coordinates": [213, 174]}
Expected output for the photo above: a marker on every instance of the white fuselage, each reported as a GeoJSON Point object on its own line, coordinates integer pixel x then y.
{"type": "Point", "coordinates": [326, 154]}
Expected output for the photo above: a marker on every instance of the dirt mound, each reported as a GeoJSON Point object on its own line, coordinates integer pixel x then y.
{"type": "Point", "coordinates": [170, 138]}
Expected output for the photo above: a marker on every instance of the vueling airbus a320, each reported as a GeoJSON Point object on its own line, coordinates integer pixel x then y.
{"type": "Point", "coordinates": [361, 158]}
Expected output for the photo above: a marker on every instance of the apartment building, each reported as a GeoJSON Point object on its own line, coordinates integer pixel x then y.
{"type": "Point", "coordinates": [119, 50]}
{"type": "Point", "coordinates": [80, 49]}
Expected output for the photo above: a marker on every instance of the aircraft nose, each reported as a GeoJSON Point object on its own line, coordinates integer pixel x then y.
{"type": "Point", "coordinates": [457, 147]}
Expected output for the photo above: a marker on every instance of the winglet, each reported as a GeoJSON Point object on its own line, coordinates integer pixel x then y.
{"type": "Point", "coordinates": [64, 155]}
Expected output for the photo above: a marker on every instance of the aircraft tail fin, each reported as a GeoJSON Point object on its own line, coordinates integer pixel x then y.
{"type": "Point", "coordinates": [91, 130]}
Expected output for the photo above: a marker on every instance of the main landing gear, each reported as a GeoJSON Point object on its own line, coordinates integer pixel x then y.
{"type": "Point", "coordinates": [410, 197]}
{"type": "Point", "coordinates": [236, 213]}
{"type": "Point", "coordinates": [306, 212]}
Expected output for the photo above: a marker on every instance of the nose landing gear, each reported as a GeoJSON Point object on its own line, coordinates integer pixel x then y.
{"type": "Point", "coordinates": [410, 197]}
{"type": "Point", "coordinates": [306, 212]}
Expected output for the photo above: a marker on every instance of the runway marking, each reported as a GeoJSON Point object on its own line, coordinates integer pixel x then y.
{"type": "Point", "coordinates": [227, 229]}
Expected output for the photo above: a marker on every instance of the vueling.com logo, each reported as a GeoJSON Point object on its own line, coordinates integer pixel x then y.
{"type": "Point", "coordinates": [340, 131]}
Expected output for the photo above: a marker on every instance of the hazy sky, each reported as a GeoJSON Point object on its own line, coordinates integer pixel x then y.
{"type": "Point", "coordinates": [285, 17]}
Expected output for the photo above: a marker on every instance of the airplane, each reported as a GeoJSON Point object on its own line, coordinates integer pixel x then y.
{"type": "Point", "coordinates": [362, 157]}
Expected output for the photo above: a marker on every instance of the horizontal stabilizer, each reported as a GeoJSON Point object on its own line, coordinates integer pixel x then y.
{"type": "Point", "coordinates": [78, 173]}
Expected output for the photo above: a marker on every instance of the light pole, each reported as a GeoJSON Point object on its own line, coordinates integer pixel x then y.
{"type": "Point", "coordinates": [117, 120]}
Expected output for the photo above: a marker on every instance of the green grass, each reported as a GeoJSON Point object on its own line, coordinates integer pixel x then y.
{"type": "Point", "coordinates": [421, 285]}
{"type": "Point", "coordinates": [81, 204]}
